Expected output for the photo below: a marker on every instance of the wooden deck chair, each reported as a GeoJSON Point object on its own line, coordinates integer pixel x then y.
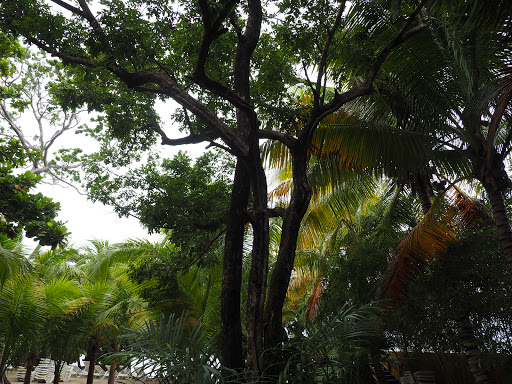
{"type": "Point", "coordinates": [44, 372]}
{"type": "Point", "coordinates": [65, 373]}
{"type": "Point", "coordinates": [78, 372]}
{"type": "Point", "coordinates": [140, 374]}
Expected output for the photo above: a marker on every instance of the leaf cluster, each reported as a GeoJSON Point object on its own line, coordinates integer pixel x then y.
{"type": "Point", "coordinates": [21, 209]}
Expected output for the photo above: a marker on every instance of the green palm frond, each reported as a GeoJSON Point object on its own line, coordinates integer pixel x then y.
{"type": "Point", "coordinates": [326, 351]}
{"type": "Point", "coordinates": [173, 350]}
{"type": "Point", "coordinates": [11, 264]}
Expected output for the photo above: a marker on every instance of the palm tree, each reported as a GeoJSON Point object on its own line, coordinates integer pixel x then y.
{"type": "Point", "coordinates": [453, 83]}
{"type": "Point", "coordinates": [12, 258]}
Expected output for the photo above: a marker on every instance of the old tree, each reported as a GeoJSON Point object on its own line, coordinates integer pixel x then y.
{"type": "Point", "coordinates": [231, 66]}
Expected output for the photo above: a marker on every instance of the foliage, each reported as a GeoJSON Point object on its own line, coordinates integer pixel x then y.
{"type": "Point", "coordinates": [20, 209]}
{"type": "Point", "coordinates": [333, 349]}
{"type": "Point", "coordinates": [173, 349]}
{"type": "Point", "coordinates": [217, 61]}
{"type": "Point", "coordinates": [472, 279]}
{"type": "Point", "coordinates": [187, 200]}
{"type": "Point", "coordinates": [9, 48]}
{"type": "Point", "coordinates": [30, 113]}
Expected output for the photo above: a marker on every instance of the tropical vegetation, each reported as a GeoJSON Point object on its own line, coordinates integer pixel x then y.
{"type": "Point", "coordinates": [350, 200]}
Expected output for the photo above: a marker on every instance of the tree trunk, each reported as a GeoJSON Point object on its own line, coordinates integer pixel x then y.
{"type": "Point", "coordinates": [259, 265]}
{"type": "Point", "coordinates": [58, 368]}
{"type": "Point", "coordinates": [113, 366]}
{"type": "Point", "coordinates": [231, 325]}
{"type": "Point", "coordinates": [92, 354]}
{"type": "Point", "coordinates": [421, 184]}
{"type": "Point", "coordinates": [29, 364]}
{"type": "Point", "coordinates": [249, 170]}
{"type": "Point", "coordinates": [502, 222]}
{"type": "Point", "coordinates": [299, 201]}
{"type": "Point", "coordinates": [471, 350]}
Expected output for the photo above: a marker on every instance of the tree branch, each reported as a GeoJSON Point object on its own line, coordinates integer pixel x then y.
{"type": "Point", "coordinates": [7, 116]}
{"type": "Point", "coordinates": [69, 7]}
{"type": "Point", "coordinates": [65, 57]}
{"type": "Point", "coordinates": [284, 138]}
{"type": "Point", "coordinates": [325, 52]}
{"type": "Point", "coordinates": [276, 212]}
{"type": "Point", "coordinates": [319, 112]}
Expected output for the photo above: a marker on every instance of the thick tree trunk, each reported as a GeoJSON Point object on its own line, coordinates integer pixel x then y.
{"type": "Point", "coordinates": [299, 201]}
{"type": "Point", "coordinates": [502, 222]}
{"type": "Point", "coordinates": [231, 326]}
{"type": "Point", "coordinates": [259, 265]}
{"type": "Point", "coordinates": [247, 126]}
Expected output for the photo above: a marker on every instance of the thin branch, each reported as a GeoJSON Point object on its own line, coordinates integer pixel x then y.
{"type": "Point", "coordinates": [66, 126]}
{"type": "Point", "coordinates": [367, 86]}
{"type": "Point", "coordinates": [322, 67]}
{"type": "Point", "coordinates": [190, 139]}
{"type": "Point", "coordinates": [399, 38]}
{"type": "Point", "coordinates": [87, 14]}
{"type": "Point", "coordinates": [308, 81]}
{"type": "Point", "coordinates": [65, 182]}
{"type": "Point", "coordinates": [49, 167]}
{"type": "Point", "coordinates": [8, 117]}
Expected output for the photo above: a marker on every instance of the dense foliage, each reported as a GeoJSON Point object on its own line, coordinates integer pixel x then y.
{"type": "Point", "coordinates": [20, 209]}
{"type": "Point", "coordinates": [416, 93]}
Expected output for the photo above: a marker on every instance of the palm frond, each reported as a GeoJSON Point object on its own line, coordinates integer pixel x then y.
{"type": "Point", "coordinates": [430, 239]}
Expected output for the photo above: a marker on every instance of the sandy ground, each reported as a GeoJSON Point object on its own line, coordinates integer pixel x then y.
{"type": "Point", "coordinates": [82, 380]}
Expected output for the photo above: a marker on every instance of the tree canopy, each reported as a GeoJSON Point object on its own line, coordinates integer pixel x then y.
{"type": "Point", "coordinates": [346, 92]}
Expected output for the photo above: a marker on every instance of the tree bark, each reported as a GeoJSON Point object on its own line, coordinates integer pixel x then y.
{"type": "Point", "coordinates": [422, 190]}
{"type": "Point", "coordinates": [92, 354]}
{"type": "Point", "coordinates": [231, 325]}
{"type": "Point", "coordinates": [29, 365]}
{"type": "Point", "coordinates": [58, 368]}
{"type": "Point", "coordinates": [502, 222]}
{"type": "Point", "coordinates": [471, 351]}
{"type": "Point", "coordinates": [113, 366]}
{"type": "Point", "coordinates": [259, 265]}
{"type": "Point", "coordinates": [299, 201]}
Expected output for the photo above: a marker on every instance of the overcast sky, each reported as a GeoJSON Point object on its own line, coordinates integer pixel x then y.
{"type": "Point", "coordinates": [88, 221]}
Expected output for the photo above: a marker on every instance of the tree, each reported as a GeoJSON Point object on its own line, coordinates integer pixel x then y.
{"type": "Point", "coordinates": [132, 53]}
{"type": "Point", "coordinates": [21, 209]}
{"type": "Point", "coordinates": [465, 61]}
{"type": "Point", "coordinates": [26, 94]}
